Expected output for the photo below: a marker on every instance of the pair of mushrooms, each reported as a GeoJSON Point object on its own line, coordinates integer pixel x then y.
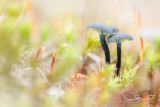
{"type": "Point", "coordinates": [104, 30]}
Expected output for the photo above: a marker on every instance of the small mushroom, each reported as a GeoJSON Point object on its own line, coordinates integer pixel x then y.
{"type": "Point", "coordinates": [119, 38]}
{"type": "Point", "coordinates": [104, 30]}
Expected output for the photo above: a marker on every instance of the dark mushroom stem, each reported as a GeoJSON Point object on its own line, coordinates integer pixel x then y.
{"type": "Point", "coordinates": [118, 57]}
{"type": "Point", "coordinates": [119, 38]}
{"type": "Point", "coordinates": [104, 30]}
{"type": "Point", "coordinates": [105, 48]}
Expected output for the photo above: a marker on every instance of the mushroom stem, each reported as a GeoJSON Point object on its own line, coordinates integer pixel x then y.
{"type": "Point", "coordinates": [118, 57]}
{"type": "Point", "coordinates": [105, 48]}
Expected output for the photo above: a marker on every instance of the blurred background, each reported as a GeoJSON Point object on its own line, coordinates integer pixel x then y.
{"type": "Point", "coordinates": [49, 59]}
{"type": "Point", "coordinates": [122, 13]}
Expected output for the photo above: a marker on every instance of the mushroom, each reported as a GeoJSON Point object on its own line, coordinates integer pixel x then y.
{"type": "Point", "coordinates": [119, 38]}
{"type": "Point", "coordinates": [104, 30]}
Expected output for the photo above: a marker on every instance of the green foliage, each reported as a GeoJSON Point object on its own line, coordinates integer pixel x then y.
{"type": "Point", "coordinates": [109, 71]}
{"type": "Point", "coordinates": [158, 42]}
{"type": "Point", "coordinates": [45, 31]}
{"type": "Point", "coordinates": [68, 35]}
{"type": "Point", "coordinates": [8, 45]}
{"type": "Point", "coordinates": [71, 99]}
{"type": "Point", "coordinates": [152, 60]}
{"type": "Point", "coordinates": [128, 61]}
{"type": "Point", "coordinates": [24, 30]}
{"type": "Point", "coordinates": [90, 42]}
{"type": "Point", "coordinates": [128, 77]}
{"type": "Point", "coordinates": [13, 9]}
{"type": "Point", "coordinates": [8, 27]}
{"type": "Point", "coordinates": [111, 83]}
{"type": "Point", "coordinates": [64, 61]}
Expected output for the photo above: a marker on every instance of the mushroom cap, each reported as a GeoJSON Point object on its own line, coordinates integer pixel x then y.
{"type": "Point", "coordinates": [101, 28]}
{"type": "Point", "coordinates": [119, 37]}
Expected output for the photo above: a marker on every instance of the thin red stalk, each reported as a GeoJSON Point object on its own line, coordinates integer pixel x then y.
{"type": "Point", "coordinates": [140, 62]}
{"type": "Point", "coordinates": [141, 52]}
{"type": "Point", "coordinates": [38, 52]}
{"type": "Point", "coordinates": [83, 67]}
{"type": "Point", "coordinates": [75, 76]}
{"type": "Point", "coordinates": [53, 60]}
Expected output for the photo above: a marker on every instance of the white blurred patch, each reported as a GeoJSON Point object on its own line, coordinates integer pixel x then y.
{"type": "Point", "coordinates": [95, 58]}
{"type": "Point", "coordinates": [150, 32]}
{"type": "Point", "coordinates": [2, 17]}
{"type": "Point", "coordinates": [55, 91]}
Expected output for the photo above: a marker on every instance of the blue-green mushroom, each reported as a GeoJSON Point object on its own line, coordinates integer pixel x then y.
{"type": "Point", "coordinates": [104, 30]}
{"type": "Point", "coordinates": [119, 38]}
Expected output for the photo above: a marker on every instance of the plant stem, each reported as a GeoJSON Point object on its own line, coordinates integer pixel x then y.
{"type": "Point", "coordinates": [118, 58]}
{"type": "Point", "coordinates": [105, 48]}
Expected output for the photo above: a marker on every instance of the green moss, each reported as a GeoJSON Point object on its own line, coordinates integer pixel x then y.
{"type": "Point", "coordinates": [13, 9]}
{"type": "Point", "coordinates": [24, 30]}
